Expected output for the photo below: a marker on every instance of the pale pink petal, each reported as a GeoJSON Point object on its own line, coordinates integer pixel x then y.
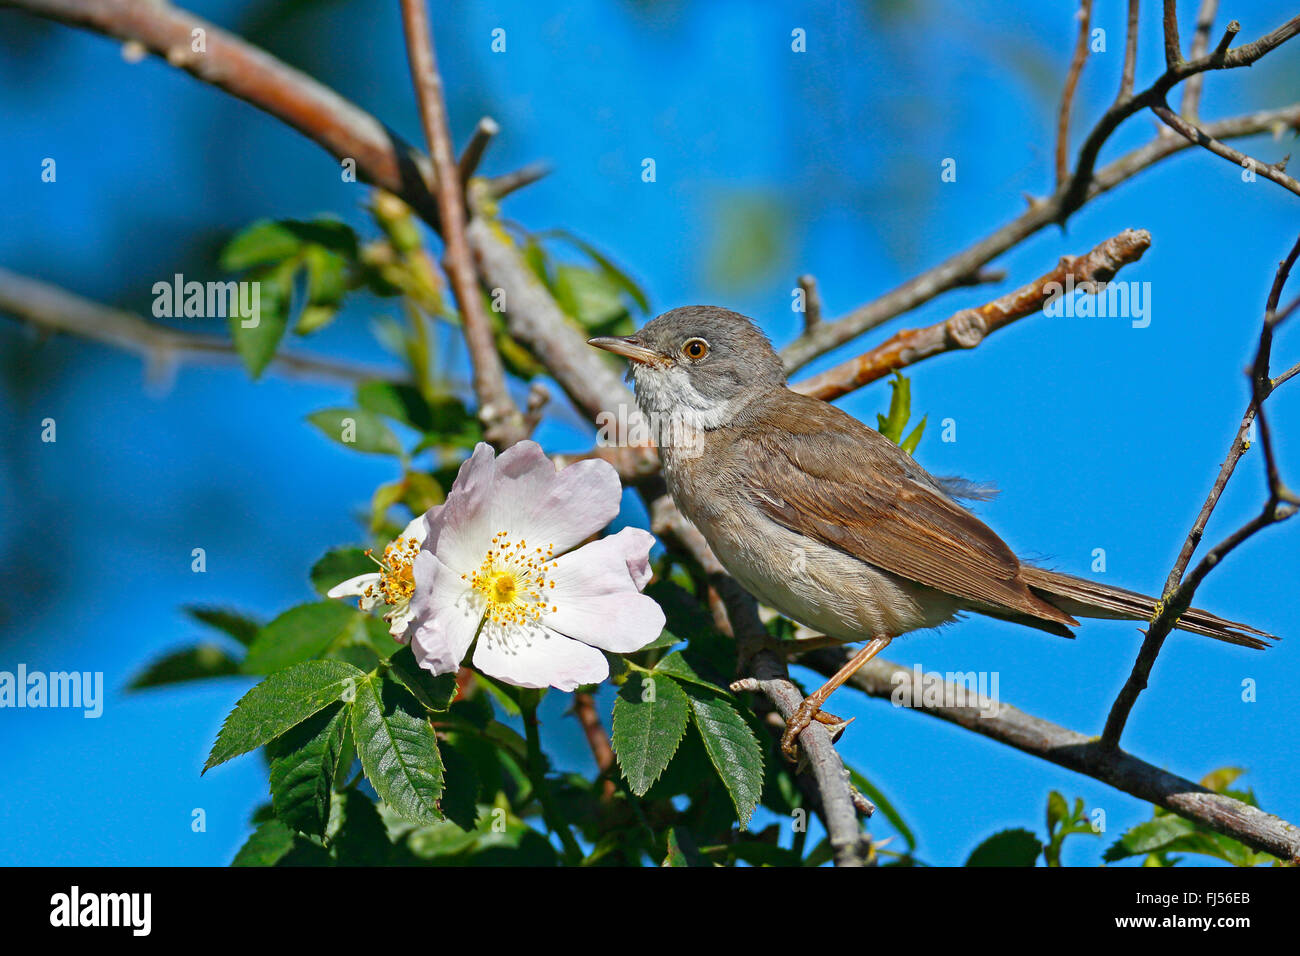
{"type": "Point", "coordinates": [353, 587]}
{"type": "Point", "coordinates": [537, 657]}
{"type": "Point", "coordinates": [445, 616]}
{"type": "Point", "coordinates": [461, 530]}
{"type": "Point", "coordinates": [578, 501]}
{"type": "Point", "coordinates": [596, 595]}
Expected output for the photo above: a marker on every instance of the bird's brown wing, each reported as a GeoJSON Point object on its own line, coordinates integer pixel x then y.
{"type": "Point", "coordinates": [822, 473]}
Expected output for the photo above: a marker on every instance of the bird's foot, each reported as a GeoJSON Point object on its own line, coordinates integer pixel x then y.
{"type": "Point", "coordinates": [808, 711]}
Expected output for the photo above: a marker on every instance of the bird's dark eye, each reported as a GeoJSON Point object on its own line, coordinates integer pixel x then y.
{"type": "Point", "coordinates": [695, 349]}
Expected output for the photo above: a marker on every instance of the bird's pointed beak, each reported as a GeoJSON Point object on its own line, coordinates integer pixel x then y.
{"type": "Point", "coordinates": [629, 347]}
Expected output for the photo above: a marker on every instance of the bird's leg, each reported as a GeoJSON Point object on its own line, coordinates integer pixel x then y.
{"type": "Point", "coordinates": [810, 709]}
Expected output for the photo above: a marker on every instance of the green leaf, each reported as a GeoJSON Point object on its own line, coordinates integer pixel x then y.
{"type": "Point", "coordinates": [611, 271]}
{"type": "Point", "coordinates": [303, 761]}
{"type": "Point", "coordinates": [1016, 847]}
{"type": "Point", "coordinates": [358, 429]}
{"type": "Point", "coordinates": [257, 337]}
{"type": "Point", "coordinates": [435, 693]}
{"type": "Point", "coordinates": [283, 700]}
{"type": "Point", "coordinates": [900, 405]}
{"type": "Point", "coordinates": [239, 626]}
{"type": "Point", "coordinates": [267, 845]}
{"type": "Point", "coordinates": [1220, 780]}
{"type": "Point", "coordinates": [402, 403]}
{"type": "Point", "coordinates": [911, 441]}
{"type": "Point", "coordinates": [1148, 837]}
{"type": "Point", "coordinates": [265, 242]}
{"type": "Point", "coordinates": [339, 565]}
{"type": "Point", "coordinates": [872, 793]}
{"type": "Point", "coordinates": [686, 668]}
{"type": "Point", "coordinates": [192, 663]}
{"type": "Point", "coordinates": [398, 750]}
{"type": "Point", "coordinates": [732, 748]}
{"type": "Point", "coordinates": [460, 800]}
{"type": "Point", "coordinates": [650, 717]}
{"type": "Point", "coordinates": [299, 633]}
{"type": "Point", "coordinates": [1058, 811]}
{"type": "Point", "coordinates": [682, 850]}
{"type": "Point", "coordinates": [589, 296]}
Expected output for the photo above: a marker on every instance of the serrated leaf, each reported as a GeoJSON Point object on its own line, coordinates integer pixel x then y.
{"type": "Point", "coordinates": [732, 748]}
{"type": "Point", "coordinates": [398, 750]}
{"type": "Point", "coordinates": [303, 761]}
{"type": "Point", "coordinates": [192, 663]}
{"type": "Point", "coordinates": [1016, 847]}
{"type": "Point", "coordinates": [266, 846]}
{"type": "Point", "coordinates": [339, 565]}
{"type": "Point", "coordinates": [647, 732]}
{"type": "Point", "coordinates": [283, 700]}
{"type": "Point", "coordinates": [357, 429]}
{"type": "Point", "coordinates": [1148, 837]}
{"type": "Point", "coordinates": [436, 693]}
{"type": "Point", "coordinates": [239, 626]}
{"type": "Point", "coordinates": [686, 668]}
{"type": "Point", "coordinates": [298, 634]}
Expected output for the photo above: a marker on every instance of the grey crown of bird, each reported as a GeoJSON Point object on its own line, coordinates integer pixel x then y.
{"type": "Point", "coordinates": [824, 519]}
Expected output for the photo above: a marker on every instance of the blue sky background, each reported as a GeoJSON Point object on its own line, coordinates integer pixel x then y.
{"type": "Point", "coordinates": [770, 164]}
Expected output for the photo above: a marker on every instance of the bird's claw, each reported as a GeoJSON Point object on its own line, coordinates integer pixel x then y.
{"type": "Point", "coordinates": [808, 711]}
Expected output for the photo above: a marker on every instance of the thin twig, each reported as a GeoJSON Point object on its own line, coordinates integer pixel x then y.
{"type": "Point", "coordinates": [969, 327]}
{"type": "Point", "coordinates": [1067, 96]}
{"type": "Point", "coordinates": [1074, 751]}
{"type": "Point", "coordinates": [1178, 593]}
{"type": "Point", "coordinates": [812, 301]}
{"type": "Point", "coordinates": [1130, 53]}
{"type": "Point", "coordinates": [49, 308]}
{"type": "Point", "coordinates": [478, 143]}
{"type": "Point", "coordinates": [584, 708]}
{"type": "Point", "coordinates": [1273, 172]}
{"type": "Point", "coordinates": [503, 423]}
{"type": "Point", "coordinates": [1200, 43]}
{"type": "Point", "coordinates": [1173, 48]}
{"type": "Point", "coordinates": [499, 186]}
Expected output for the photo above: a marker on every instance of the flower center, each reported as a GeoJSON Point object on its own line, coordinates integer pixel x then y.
{"type": "Point", "coordinates": [397, 572]}
{"type": "Point", "coordinates": [513, 580]}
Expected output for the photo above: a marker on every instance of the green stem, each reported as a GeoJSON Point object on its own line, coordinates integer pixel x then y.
{"type": "Point", "coordinates": [572, 851]}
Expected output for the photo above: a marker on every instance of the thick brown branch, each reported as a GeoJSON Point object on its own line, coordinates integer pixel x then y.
{"type": "Point", "coordinates": [1074, 751]}
{"type": "Point", "coordinates": [503, 423]}
{"type": "Point", "coordinates": [969, 327]}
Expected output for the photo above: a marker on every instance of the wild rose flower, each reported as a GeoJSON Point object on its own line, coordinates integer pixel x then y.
{"type": "Point", "coordinates": [495, 561]}
{"type": "Point", "coordinates": [393, 584]}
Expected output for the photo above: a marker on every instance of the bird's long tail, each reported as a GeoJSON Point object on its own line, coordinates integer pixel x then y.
{"type": "Point", "coordinates": [1084, 598]}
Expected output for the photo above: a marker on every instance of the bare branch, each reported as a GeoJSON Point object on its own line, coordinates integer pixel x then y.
{"type": "Point", "coordinates": [1178, 593]}
{"type": "Point", "coordinates": [812, 302]}
{"type": "Point", "coordinates": [1075, 751]}
{"type": "Point", "coordinates": [1067, 96]}
{"type": "Point", "coordinates": [1130, 53]}
{"type": "Point", "coordinates": [1273, 172]}
{"type": "Point", "coordinates": [50, 308]}
{"type": "Point", "coordinates": [1200, 43]}
{"type": "Point", "coordinates": [1173, 50]}
{"type": "Point", "coordinates": [487, 128]}
{"type": "Point", "coordinates": [969, 327]}
{"type": "Point", "coordinates": [503, 423]}
{"type": "Point", "coordinates": [499, 186]}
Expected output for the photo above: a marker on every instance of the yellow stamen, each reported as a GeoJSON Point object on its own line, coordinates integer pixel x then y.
{"type": "Point", "coordinates": [512, 580]}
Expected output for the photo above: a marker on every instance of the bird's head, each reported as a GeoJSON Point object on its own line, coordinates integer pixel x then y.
{"type": "Point", "coordinates": [698, 364]}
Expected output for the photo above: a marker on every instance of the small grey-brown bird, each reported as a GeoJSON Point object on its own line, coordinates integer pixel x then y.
{"type": "Point", "coordinates": [824, 519]}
